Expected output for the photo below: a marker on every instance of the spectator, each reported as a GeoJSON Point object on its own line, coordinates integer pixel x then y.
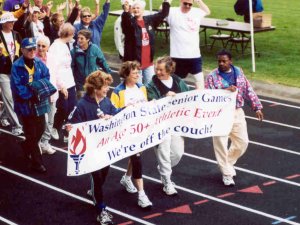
{"type": "Point", "coordinates": [86, 58]}
{"type": "Point", "coordinates": [33, 26]}
{"type": "Point", "coordinates": [230, 77]}
{"type": "Point", "coordinates": [12, 5]}
{"type": "Point", "coordinates": [10, 42]}
{"type": "Point", "coordinates": [95, 26]}
{"type": "Point", "coordinates": [88, 108]}
{"type": "Point", "coordinates": [169, 152]}
{"type": "Point", "coordinates": [31, 100]}
{"type": "Point", "coordinates": [241, 7]}
{"type": "Point", "coordinates": [184, 25]}
{"type": "Point", "coordinates": [65, 79]}
{"type": "Point", "coordinates": [43, 44]}
{"type": "Point", "coordinates": [127, 93]}
{"type": "Point", "coordinates": [139, 31]}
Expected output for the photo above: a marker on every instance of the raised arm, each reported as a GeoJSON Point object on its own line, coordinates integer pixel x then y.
{"type": "Point", "coordinates": [203, 6]}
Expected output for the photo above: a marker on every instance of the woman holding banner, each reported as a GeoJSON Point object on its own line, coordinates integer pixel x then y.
{"type": "Point", "coordinates": [94, 105]}
{"type": "Point", "coordinates": [127, 93]}
{"type": "Point", "coordinates": [170, 151]}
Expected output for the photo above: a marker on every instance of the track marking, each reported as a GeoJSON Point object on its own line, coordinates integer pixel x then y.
{"type": "Point", "coordinates": [219, 200]}
{"type": "Point", "coordinates": [289, 218]}
{"type": "Point", "coordinates": [7, 221]}
{"type": "Point", "coordinates": [272, 122]}
{"type": "Point", "coordinates": [226, 195]}
{"type": "Point", "coordinates": [279, 103]}
{"type": "Point", "coordinates": [77, 197]}
{"type": "Point", "coordinates": [269, 183]}
{"type": "Point", "coordinates": [201, 202]}
{"type": "Point", "coordinates": [246, 171]}
{"type": "Point", "coordinates": [275, 148]}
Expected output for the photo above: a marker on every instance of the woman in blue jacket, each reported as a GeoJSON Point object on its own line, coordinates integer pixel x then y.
{"type": "Point", "coordinates": [95, 105]}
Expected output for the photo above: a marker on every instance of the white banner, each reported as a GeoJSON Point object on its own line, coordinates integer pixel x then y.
{"type": "Point", "coordinates": [195, 114]}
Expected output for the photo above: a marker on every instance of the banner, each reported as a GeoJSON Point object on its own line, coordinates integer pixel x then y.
{"type": "Point", "coordinates": [95, 144]}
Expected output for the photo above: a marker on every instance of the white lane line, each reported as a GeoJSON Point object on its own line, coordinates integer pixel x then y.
{"type": "Point", "coordinates": [275, 148]}
{"type": "Point", "coordinates": [246, 170]}
{"type": "Point", "coordinates": [73, 195]}
{"type": "Point", "coordinates": [219, 200]}
{"type": "Point", "coordinates": [7, 221]}
{"type": "Point", "coordinates": [272, 122]}
{"type": "Point", "coordinates": [279, 103]}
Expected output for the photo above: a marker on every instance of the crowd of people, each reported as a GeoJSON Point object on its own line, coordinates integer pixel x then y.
{"type": "Point", "coordinates": [53, 74]}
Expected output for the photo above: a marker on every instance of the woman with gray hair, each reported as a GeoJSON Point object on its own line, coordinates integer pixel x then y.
{"type": "Point", "coordinates": [139, 32]}
{"type": "Point", "coordinates": [65, 79]}
{"type": "Point", "coordinates": [169, 152]}
{"type": "Point", "coordinates": [43, 44]}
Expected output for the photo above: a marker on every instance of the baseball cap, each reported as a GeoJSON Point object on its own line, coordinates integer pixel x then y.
{"type": "Point", "coordinates": [36, 9]}
{"type": "Point", "coordinates": [28, 42]}
{"type": "Point", "coordinates": [124, 1]}
{"type": "Point", "coordinates": [7, 17]}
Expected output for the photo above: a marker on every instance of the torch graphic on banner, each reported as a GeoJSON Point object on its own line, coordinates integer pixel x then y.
{"type": "Point", "coordinates": [77, 149]}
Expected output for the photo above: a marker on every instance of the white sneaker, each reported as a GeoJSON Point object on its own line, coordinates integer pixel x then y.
{"type": "Point", "coordinates": [66, 139]}
{"type": "Point", "coordinates": [105, 218]}
{"type": "Point", "coordinates": [4, 122]}
{"type": "Point", "coordinates": [169, 188]}
{"type": "Point", "coordinates": [127, 183]}
{"type": "Point", "coordinates": [228, 181]}
{"type": "Point", "coordinates": [46, 148]}
{"type": "Point", "coordinates": [54, 134]}
{"type": "Point", "coordinates": [144, 202]}
{"type": "Point", "coordinates": [90, 193]}
{"type": "Point", "coordinates": [17, 131]}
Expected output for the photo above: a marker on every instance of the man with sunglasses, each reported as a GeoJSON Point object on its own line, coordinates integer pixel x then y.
{"type": "Point", "coordinates": [31, 91]}
{"type": "Point", "coordinates": [95, 26]}
{"type": "Point", "coordinates": [184, 25]}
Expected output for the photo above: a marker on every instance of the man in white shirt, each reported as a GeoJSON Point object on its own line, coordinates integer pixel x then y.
{"type": "Point", "coordinates": [184, 22]}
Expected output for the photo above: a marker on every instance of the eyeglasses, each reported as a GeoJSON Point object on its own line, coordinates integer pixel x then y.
{"type": "Point", "coordinates": [31, 49]}
{"type": "Point", "coordinates": [41, 46]}
{"type": "Point", "coordinates": [86, 16]}
{"type": "Point", "coordinates": [188, 4]}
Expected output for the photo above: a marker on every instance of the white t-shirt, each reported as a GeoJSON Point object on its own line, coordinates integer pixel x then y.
{"type": "Point", "coordinates": [10, 44]}
{"type": "Point", "coordinates": [38, 29]}
{"type": "Point", "coordinates": [62, 67]}
{"type": "Point", "coordinates": [184, 32]}
{"type": "Point", "coordinates": [168, 83]}
{"type": "Point", "coordinates": [133, 95]}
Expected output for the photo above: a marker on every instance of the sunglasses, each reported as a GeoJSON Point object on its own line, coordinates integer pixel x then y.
{"type": "Point", "coordinates": [43, 46]}
{"type": "Point", "coordinates": [31, 49]}
{"type": "Point", "coordinates": [86, 16]}
{"type": "Point", "coordinates": [187, 4]}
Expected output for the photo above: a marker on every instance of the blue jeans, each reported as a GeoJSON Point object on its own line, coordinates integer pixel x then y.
{"type": "Point", "coordinates": [146, 75]}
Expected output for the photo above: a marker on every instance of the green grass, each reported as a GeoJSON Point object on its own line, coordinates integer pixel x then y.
{"type": "Point", "coordinates": [279, 50]}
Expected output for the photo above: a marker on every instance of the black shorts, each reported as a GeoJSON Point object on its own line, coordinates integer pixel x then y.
{"type": "Point", "coordinates": [185, 66]}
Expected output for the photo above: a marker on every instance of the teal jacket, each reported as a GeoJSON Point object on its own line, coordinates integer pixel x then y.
{"type": "Point", "coordinates": [155, 86]}
{"type": "Point", "coordinates": [86, 62]}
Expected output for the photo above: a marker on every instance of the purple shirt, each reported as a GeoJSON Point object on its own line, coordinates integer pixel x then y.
{"type": "Point", "coordinates": [12, 5]}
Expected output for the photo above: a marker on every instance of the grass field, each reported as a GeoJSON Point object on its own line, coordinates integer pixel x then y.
{"type": "Point", "coordinates": [279, 60]}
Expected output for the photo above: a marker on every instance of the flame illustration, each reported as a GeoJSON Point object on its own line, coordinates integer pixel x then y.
{"type": "Point", "coordinates": [78, 141]}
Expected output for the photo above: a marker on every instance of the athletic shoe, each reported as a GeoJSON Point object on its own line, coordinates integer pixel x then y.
{"type": "Point", "coordinates": [127, 183]}
{"type": "Point", "coordinates": [105, 218]}
{"type": "Point", "coordinates": [17, 131]}
{"type": "Point", "coordinates": [38, 168]}
{"type": "Point", "coordinates": [228, 181]}
{"type": "Point", "coordinates": [144, 202]}
{"type": "Point", "coordinates": [169, 188]}
{"type": "Point", "coordinates": [66, 138]}
{"type": "Point", "coordinates": [4, 122]}
{"type": "Point", "coordinates": [54, 134]}
{"type": "Point", "coordinates": [90, 193]}
{"type": "Point", "coordinates": [46, 148]}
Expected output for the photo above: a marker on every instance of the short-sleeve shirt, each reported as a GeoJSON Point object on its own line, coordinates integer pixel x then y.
{"type": "Point", "coordinates": [184, 32]}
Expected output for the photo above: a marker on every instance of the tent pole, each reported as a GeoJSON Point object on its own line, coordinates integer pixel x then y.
{"type": "Point", "coordinates": [252, 35]}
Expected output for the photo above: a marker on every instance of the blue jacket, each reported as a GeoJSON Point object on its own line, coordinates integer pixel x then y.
{"type": "Point", "coordinates": [87, 109]}
{"type": "Point", "coordinates": [86, 62]}
{"type": "Point", "coordinates": [25, 102]}
{"type": "Point", "coordinates": [96, 26]}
